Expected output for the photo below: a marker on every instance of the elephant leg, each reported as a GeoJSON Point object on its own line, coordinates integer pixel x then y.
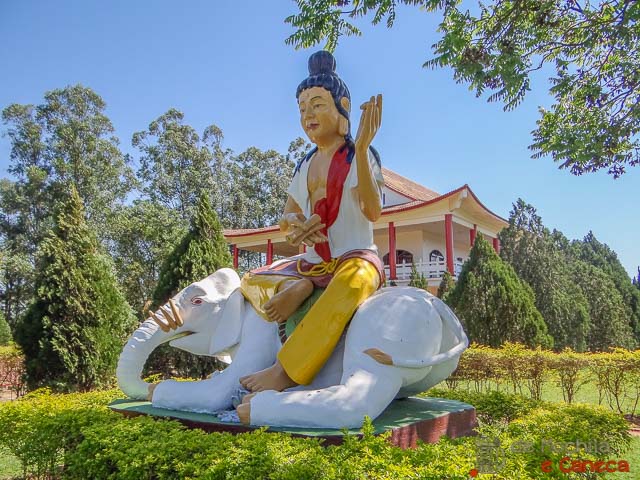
{"type": "Point", "coordinates": [366, 389]}
{"type": "Point", "coordinates": [257, 350]}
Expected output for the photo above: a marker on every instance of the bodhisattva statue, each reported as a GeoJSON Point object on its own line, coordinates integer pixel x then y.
{"type": "Point", "coordinates": [405, 340]}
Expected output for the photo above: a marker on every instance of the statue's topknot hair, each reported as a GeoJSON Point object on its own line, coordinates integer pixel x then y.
{"type": "Point", "coordinates": [322, 62]}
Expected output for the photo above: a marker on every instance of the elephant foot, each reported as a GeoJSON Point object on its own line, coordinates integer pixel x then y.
{"type": "Point", "coordinates": [244, 409]}
{"type": "Point", "coordinates": [284, 303]}
{"type": "Point", "coordinates": [272, 378]}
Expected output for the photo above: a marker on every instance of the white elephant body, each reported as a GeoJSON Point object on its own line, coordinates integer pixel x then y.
{"type": "Point", "coordinates": [419, 333]}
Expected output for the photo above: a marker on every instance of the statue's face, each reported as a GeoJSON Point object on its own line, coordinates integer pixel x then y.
{"type": "Point", "coordinates": [319, 116]}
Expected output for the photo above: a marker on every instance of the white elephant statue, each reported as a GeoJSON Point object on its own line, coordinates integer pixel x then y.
{"type": "Point", "coordinates": [401, 341]}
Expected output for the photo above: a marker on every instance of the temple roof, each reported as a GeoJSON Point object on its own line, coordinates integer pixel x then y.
{"type": "Point", "coordinates": [406, 187]}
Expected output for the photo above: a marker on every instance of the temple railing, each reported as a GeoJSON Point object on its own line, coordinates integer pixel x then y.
{"type": "Point", "coordinates": [430, 270]}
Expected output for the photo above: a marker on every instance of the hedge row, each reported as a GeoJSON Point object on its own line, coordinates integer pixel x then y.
{"type": "Point", "coordinates": [76, 437]}
{"type": "Point", "coordinates": [12, 370]}
{"type": "Point", "coordinates": [616, 374]}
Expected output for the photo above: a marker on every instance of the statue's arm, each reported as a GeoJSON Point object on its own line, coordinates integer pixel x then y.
{"type": "Point", "coordinates": [368, 189]}
{"type": "Point", "coordinates": [292, 215]}
{"type": "Point", "coordinates": [302, 230]}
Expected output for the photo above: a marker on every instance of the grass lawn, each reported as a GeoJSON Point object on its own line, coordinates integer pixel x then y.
{"type": "Point", "coordinates": [9, 466]}
{"type": "Point", "coordinates": [633, 457]}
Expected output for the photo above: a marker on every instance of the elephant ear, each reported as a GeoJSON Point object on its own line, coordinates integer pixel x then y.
{"type": "Point", "coordinates": [227, 284]}
{"type": "Point", "coordinates": [230, 326]}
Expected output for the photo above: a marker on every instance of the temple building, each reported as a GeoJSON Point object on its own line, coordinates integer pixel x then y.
{"type": "Point", "coordinates": [418, 226]}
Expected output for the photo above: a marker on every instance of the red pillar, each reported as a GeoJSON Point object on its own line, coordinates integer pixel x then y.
{"type": "Point", "coordinates": [392, 252]}
{"type": "Point", "coordinates": [472, 234]}
{"type": "Point", "coordinates": [448, 230]}
{"type": "Point", "coordinates": [235, 256]}
{"type": "Point", "coordinates": [496, 245]}
{"type": "Point", "coordinates": [269, 252]}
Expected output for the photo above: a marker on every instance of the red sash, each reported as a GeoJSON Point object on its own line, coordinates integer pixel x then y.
{"type": "Point", "coordinates": [329, 206]}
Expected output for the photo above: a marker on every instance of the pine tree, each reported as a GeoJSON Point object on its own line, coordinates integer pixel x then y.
{"type": "Point", "coordinates": [494, 304]}
{"type": "Point", "coordinates": [446, 285]}
{"type": "Point", "coordinates": [5, 331]}
{"type": "Point", "coordinates": [73, 332]}
{"type": "Point", "coordinates": [201, 252]}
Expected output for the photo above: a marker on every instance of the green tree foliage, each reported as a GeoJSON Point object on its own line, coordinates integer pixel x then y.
{"type": "Point", "coordinates": [176, 163]}
{"type": "Point", "coordinates": [599, 255]}
{"type": "Point", "coordinates": [5, 331]}
{"type": "Point", "coordinates": [261, 179]}
{"type": "Point", "coordinates": [73, 332]}
{"type": "Point", "coordinates": [607, 311]}
{"type": "Point", "coordinates": [529, 248]}
{"type": "Point", "coordinates": [494, 305]}
{"type": "Point", "coordinates": [417, 279]}
{"type": "Point", "coordinates": [591, 46]}
{"type": "Point", "coordinates": [201, 252]}
{"type": "Point", "coordinates": [144, 234]}
{"type": "Point", "coordinates": [446, 285]}
{"type": "Point", "coordinates": [66, 140]}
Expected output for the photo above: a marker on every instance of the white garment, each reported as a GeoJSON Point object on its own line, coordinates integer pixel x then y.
{"type": "Point", "coordinates": [351, 230]}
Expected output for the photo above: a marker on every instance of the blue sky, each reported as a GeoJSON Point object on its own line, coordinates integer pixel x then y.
{"type": "Point", "coordinates": [225, 62]}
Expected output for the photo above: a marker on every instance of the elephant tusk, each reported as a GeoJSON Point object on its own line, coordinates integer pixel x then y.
{"type": "Point", "coordinates": [379, 356]}
{"type": "Point", "coordinates": [176, 314]}
{"type": "Point", "coordinates": [169, 317]}
{"type": "Point", "coordinates": [160, 323]}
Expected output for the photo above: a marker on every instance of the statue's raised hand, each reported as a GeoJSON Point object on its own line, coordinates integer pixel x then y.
{"type": "Point", "coordinates": [369, 122]}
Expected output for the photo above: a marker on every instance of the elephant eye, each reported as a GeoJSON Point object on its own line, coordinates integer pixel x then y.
{"type": "Point", "coordinates": [196, 301]}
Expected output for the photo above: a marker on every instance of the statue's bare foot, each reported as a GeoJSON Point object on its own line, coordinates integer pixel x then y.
{"type": "Point", "coordinates": [284, 303]}
{"type": "Point", "coordinates": [244, 409]}
{"type": "Point", "coordinates": [272, 378]}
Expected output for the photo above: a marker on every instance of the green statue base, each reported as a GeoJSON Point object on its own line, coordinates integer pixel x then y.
{"type": "Point", "coordinates": [409, 420]}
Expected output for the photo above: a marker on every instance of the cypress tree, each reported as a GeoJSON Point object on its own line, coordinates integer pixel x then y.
{"type": "Point", "coordinates": [446, 285]}
{"type": "Point", "coordinates": [532, 251]}
{"type": "Point", "coordinates": [494, 305]}
{"type": "Point", "coordinates": [73, 332]}
{"type": "Point", "coordinates": [5, 331]}
{"type": "Point", "coordinates": [416, 279]}
{"type": "Point", "coordinates": [201, 252]}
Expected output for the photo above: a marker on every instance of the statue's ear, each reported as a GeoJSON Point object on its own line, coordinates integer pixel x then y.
{"type": "Point", "coordinates": [229, 327]}
{"type": "Point", "coordinates": [346, 104]}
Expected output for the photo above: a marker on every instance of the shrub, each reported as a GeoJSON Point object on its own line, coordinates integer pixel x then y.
{"type": "Point", "coordinates": [492, 407]}
{"type": "Point", "coordinates": [569, 368]}
{"type": "Point", "coordinates": [41, 429]}
{"type": "Point", "coordinates": [617, 376]}
{"type": "Point", "coordinates": [76, 437]}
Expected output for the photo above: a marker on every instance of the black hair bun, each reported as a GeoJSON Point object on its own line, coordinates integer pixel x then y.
{"type": "Point", "coordinates": [322, 62]}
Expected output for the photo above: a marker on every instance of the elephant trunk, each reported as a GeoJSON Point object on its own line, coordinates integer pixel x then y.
{"type": "Point", "coordinates": [144, 340]}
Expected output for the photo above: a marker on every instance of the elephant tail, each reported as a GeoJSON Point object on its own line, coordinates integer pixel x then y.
{"type": "Point", "coordinates": [458, 341]}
